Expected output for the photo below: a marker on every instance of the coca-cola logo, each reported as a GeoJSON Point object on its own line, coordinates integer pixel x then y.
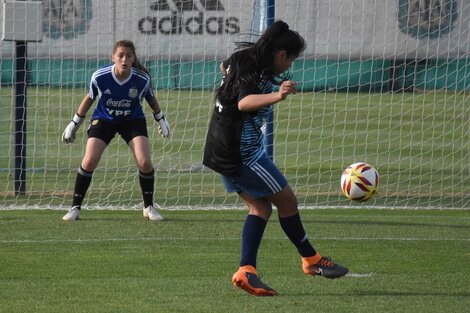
{"type": "Point", "coordinates": [124, 103]}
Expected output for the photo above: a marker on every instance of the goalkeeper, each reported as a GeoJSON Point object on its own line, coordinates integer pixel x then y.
{"type": "Point", "coordinates": [120, 88]}
{"type": "Point", "coordinates": [234, 148]}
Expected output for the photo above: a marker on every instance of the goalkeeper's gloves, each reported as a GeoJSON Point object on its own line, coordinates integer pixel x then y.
{"type": "Point", "coordinates": [163, 126]}
{"type": "Point", "coordinates": [69, 133]}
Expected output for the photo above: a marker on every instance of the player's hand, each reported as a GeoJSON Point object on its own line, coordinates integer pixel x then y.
{"type": "Point", "coordinates": [287, 87]}
{"type": "Point", "coordinates": [69, 133]}
{"type": "Point", "coordinates": [163, 126]}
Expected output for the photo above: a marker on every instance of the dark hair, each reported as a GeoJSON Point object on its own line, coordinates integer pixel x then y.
{"type": "Point", "coordinates": [129, 44]}
{"type": "Point", "coordinates": [254, 59]}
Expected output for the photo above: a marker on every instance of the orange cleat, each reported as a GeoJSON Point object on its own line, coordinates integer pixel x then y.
{"type": "Point", "coordinates": [247, 279]}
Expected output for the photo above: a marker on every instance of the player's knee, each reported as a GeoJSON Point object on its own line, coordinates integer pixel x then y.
{"type": "Point", "coordinates": [145, 166]}
{"type": "Point", "coordinates": [89, 165]}
{"type": "Point", "coordinates": [288, 210]}
{"type": "Point", "coordinates": [263, 212]}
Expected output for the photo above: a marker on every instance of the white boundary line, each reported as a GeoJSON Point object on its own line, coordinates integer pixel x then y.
{"type": "Point", "coordinates": [27, 241]}
{"type": "Point", "coordinates": [359, 275]}
{"type": "Point", "coordinates": [223, 208]}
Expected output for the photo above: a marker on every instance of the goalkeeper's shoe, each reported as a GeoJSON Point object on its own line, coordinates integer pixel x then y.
{"type": "Point", "coordinates": [246, 279]}
{"type": "Point", "coordinates": [151, 214]}
{"type": "Point", "coordinates": [73, 214]}
{"type": "Point", "coordinates": [324, 266]}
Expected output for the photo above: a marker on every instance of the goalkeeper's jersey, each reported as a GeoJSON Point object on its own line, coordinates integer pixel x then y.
{"type": "Point", "coordinates": [119, 100]}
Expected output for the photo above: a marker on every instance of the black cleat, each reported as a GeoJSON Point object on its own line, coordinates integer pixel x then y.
{"type": "Point", "coordinates": [324, 267]}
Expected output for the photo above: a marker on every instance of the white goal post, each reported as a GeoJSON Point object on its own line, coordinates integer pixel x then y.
{"type": "Point", "coordinates": [381, 81]}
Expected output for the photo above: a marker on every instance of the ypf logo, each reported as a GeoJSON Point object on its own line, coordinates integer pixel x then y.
{"type": "Point", "coordinates": [189, 17]}
{"type": "Point", "coordinates": [67, 18]}
{"type": "Point", "coordinates": [427, 18]}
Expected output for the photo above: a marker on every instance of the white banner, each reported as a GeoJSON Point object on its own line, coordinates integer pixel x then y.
{"type": "Point", "coordinates": [189, 30]}
{"type": "Point", "coordinates": [206, 29]}
{"type": "Point", "coordinates": [381, 29]}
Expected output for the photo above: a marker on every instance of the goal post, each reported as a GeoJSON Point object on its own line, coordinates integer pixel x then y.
{"type": "Point", "coordinates": [24, 24]}
{"type": "Point", "coordinates": [382, 82]}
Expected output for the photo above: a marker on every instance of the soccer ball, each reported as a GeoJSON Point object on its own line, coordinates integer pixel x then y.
{"type": "Point", "coordinates": [360, 181]}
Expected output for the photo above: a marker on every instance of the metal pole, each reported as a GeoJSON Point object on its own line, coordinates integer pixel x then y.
{"type": "Point", "coordinates": [20, 118]}
{"type": "Point", "coordinates": [269, 139]}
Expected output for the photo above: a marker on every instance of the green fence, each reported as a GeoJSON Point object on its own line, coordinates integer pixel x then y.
{"type": "Point", "coordinates": [364, 75]}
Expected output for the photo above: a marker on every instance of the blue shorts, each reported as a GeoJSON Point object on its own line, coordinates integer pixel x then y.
{"type": "Point", "coordinates": [259, 180]}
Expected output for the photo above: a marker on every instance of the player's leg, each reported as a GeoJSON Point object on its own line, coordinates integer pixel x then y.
{"type": "Point", "coordinates": [253, 184]}
{"type": "Point", "coordinates": [100, 134]}
{"type": "Point", "coordinates": [289, 218]}
{"type": "Point", "coordinates": [246, 277]}
{"type": "Point", "coordinates": [253, 229]}
{"type": "Point", "coordinates": [140, 148]}
{"type": "Point", "coordinates": [93, 152]}
{"type": "Point", "coordinates": [312, 262]}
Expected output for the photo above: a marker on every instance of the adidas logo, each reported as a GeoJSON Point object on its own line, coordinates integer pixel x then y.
{"type": "Point", "coordinates": [191, 17]}
{"type": "Point", "coordinates": [107, 92]}
{"type": "Point", "coordinates": [185, 5]}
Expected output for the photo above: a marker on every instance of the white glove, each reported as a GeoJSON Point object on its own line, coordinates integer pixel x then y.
{"type": "Point", "coordinates": [163, 126]}
{"type": "Point", "coordinates": [69, 133]}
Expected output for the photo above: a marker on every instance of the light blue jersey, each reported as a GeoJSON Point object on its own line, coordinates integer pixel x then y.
{"type": "Point", "coordinates": [119, 100]}
{"type": "Point", "coordinates": [252, 136]}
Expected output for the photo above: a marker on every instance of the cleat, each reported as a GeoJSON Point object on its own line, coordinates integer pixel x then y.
{"type": "Point", "coordinates": [73, 214]}
{"type": "Point", "coordinates": [151, 214]}
{"type": "Point", "coordinates": [323, 266]}
{"type": "Point", "coordinates": [245, 278]}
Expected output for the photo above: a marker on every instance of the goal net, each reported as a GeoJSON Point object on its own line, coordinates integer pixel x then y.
{"type": "Point", "coordinates": [381, 81]}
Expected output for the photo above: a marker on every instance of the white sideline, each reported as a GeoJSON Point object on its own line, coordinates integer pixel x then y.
{"type": "Point", "coordinates": [138, 207]}
{"type": "Point", "coordinates": [357, 275]}
{"type": "Point", "coordinates": [78, 240]}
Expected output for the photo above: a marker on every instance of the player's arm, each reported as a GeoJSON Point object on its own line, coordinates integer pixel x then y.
{"type": "Point", "coordinates": [154, 105]}
{"type": "Point", "coordinates": [68, 135]}
{"type": "Point", "coordinates": [163, 126]}
{"type": "Point", "coordinates": [254, 102]}
{"type": "Point", "coordinates": [84, 106]}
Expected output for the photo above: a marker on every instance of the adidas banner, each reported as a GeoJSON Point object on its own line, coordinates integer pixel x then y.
{"type": "Point", "coordinates": [381, 29]}
{"type": "Point", "coordinates": [206, 29]}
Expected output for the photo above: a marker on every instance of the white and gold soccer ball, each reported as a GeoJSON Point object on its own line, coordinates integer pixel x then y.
{"type": "Point", "coordinates": [360, 181]}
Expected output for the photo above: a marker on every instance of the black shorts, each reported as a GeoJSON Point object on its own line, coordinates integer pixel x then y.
{"type": "Point", "coordinates": [128, 129]}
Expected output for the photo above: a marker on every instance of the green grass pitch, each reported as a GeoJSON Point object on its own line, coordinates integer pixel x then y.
{"type": "Point", "coordinates": [114, 261]}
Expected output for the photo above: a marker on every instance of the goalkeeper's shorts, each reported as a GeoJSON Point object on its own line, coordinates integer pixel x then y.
{"type": "Point", "coordinates": [128, 129]}
{"type": "Point", "coordinates": [259, 180]}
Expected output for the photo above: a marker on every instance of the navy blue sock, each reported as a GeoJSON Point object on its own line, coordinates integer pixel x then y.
{"type": "Point", "coordinates": [252, 234]}
{"type": "Point", "coordinates": [293, 228]}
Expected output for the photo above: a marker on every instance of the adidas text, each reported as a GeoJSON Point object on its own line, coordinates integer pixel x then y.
{"type": "Point", "coordinates": [192, 25]}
